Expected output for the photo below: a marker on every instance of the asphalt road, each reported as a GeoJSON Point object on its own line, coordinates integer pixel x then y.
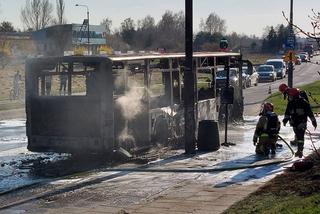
{"type": "Point", "coordinates": [302, 74]}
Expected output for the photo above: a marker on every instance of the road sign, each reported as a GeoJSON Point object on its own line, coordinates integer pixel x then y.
{"type": "Point", "coordinates": [290, 40]}
{"type": "Point", "coordinates": [289, 46]}
{"type": "Point", "coordinates": [290, 56]}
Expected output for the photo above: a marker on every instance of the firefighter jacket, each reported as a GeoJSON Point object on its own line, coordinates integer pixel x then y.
{"type": "Point", "coordinates": [268, 126]}
{"type": "Point", "coordinates": [297, 112]}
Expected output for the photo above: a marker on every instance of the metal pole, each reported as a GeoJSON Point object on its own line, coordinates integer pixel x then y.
{"type": "Point", "coordinates": [189, 85]}
{"type": "Point", "coordinates": [290, 70]}
{"type": "Point", "coordinates": [88, 32]}
{"type": "Point", "coordinates": [226, 109]}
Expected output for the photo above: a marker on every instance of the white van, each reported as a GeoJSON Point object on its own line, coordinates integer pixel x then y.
{"type": "Point", "coordinates": [279, 66]}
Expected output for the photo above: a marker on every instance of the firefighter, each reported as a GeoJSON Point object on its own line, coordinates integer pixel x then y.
{"type": "Point", "coordinates": [297, 113]}
{"type": "Point", "coordinates": [267, 130]}
{"type": "Point", "coordinates": [284, 89]}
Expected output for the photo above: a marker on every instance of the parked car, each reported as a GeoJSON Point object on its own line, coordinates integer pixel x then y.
{"type": "Point", "coordinates": [136, 68]}
{"type": "Point", "coordinates": [298, 60]}
{"type": "Point", "coordinates": [245, 80]}
{"type": "Point", "coordinates": [304, 57]}
{"type": "Point", "coordinates": [253, 75]}
{"type": "Point", "coordinates": [279, 66]}
{"type": "Point", "coordinates": [221, 77]}
{"type": "Point", "coordinates": [205, 70]}
{"type": "Point", "coordinates": [267, 73]}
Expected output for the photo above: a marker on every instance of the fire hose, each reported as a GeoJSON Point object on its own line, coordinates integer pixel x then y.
{"type": "Point", "coordinates": [312, 143]}
{"type": "Point", "coordinates": [209, 170]}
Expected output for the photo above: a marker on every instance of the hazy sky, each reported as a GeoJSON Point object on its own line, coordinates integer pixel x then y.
{"type": "Point", "coordinates": [242, 16]}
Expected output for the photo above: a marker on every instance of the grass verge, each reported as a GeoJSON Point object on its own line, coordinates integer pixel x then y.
{"type": "Point", "coordinates": [9, 105]}
{"type": "Point", "coordinates": [291, 192]}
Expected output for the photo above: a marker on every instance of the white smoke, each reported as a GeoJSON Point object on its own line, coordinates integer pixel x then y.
{"type": "Point", "coordinates": [126, 138]}
{"type": "Point", "coordinates": [131, 104]}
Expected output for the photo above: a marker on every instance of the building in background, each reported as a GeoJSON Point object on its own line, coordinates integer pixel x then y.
{"type": "Point", "coordinates": [69, 39]}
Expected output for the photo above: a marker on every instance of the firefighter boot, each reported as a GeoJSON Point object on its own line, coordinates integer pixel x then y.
{"type": "Point", "coordinates": [273, 148]}
{"type": "Point", "coordinates": [299, 153]}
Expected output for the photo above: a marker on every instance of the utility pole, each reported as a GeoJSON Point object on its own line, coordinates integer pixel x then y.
{"type": "Point", "coordinates": [291, 43]}
{"type": "Point", "coordinates": [226, 119]}
{"type": "Point", "coordinates": [88, 29]}
{"type": "Point", "coordinates": [189, 83]}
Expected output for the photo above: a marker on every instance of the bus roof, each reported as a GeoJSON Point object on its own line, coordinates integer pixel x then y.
{"type": "Point", "coordinates": [98, 58]}
{"type": "Point", "coordinates": [172, 55]}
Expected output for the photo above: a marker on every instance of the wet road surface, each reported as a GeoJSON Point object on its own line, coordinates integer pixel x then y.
{"type": "Point", "coordinates": [303, 74]}
{"type": "Point", "coordinates": [122, 189]}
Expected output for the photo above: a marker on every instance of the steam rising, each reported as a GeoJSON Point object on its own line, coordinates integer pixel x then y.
{"type": "Point", "coordinates": [131, 105]}
{"type": "Point", "coordinates": [125, 137]}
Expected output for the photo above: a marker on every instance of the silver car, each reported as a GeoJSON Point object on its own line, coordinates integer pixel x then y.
{"type": "Point", "coordinates": [279, 66]}
{"type": "Point", "coordinates": [221, 77]}
{"type": "Point", "coordinates": [253, 75]}
{"type": "Point", "coordinates": [267, 73]}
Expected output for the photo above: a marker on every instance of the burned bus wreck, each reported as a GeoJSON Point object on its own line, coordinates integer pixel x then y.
{"type": "Point", "coordinates": [95, 104]}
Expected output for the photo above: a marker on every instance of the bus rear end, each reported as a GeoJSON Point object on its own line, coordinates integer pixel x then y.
{"type": "Point", "coordinates": [69, 104]}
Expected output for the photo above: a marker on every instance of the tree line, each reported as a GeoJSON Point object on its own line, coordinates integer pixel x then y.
{"type": "Point", "coordinates": [145, 34]}
{"type": "Point", "coordinates": [275, 39]}
{"type": "Point", "coordinates": [169, 34]}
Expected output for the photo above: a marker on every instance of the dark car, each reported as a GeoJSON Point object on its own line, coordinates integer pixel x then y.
{"type": "Point", "coordinates": [136, 68]}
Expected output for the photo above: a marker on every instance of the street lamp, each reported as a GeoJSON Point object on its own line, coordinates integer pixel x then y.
{"type": "Point", "coordinates": [82, 5]}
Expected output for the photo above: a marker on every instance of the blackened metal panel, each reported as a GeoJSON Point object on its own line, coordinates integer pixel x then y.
{"type": "Point", "coordinates": [105, 84]}
{"type": "Point", "coordinates": [62, 120]}
{"type": "Point", "coordinates": [65, 116]}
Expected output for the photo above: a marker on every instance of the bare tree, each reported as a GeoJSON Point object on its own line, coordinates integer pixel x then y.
{"type": "Point", "coordinates": [116, 42]}
{"type": "Point", "coordinates": [213, 24]}
{"type": "Point", "coordinates": [128, 30]}
{"type": "Point", "coordinates": [315, 23]}
{"type": "Point", "coordinates": [60, 7]}
{"type": "Point", "coordinates": [171, 31]}
{"type": "Point", "coordinates": [6, 27]}
{"type": "Point", "coordinates": [108, 24]}
{"type": "Point", "coordinates": [146, 23]}
{"type": "Point", "coordinates": [146, 33]}
{"type": "Point", "coordinates": [36, 14]}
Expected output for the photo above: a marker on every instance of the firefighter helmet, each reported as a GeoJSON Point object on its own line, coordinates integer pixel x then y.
{"type": "Point", "coordinates": [283, 87]}
{"type": "Point", "coordinates": [268, 107]}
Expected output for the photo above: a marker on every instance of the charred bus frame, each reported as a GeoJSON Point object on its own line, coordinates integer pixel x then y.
{"type": "Point", "coordinates": [121, 101]}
